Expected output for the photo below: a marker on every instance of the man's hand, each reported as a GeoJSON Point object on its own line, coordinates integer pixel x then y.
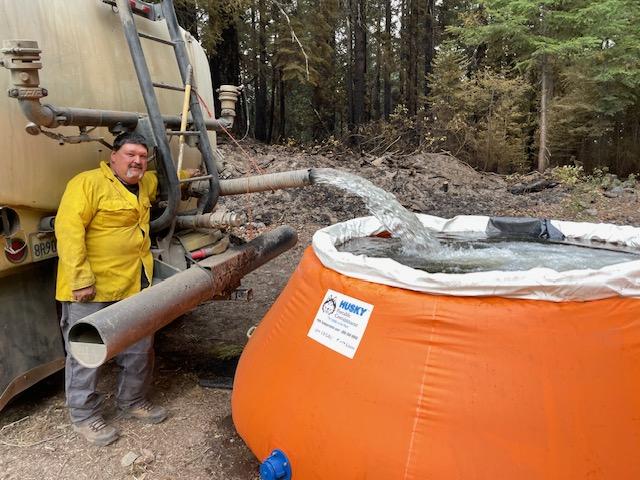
{"type": "Point", "coordinates": [84, 295]}
{"type": "Point", "coordinates": [187, 173]}
{"type": "Point", "coordinates": [192, 172]}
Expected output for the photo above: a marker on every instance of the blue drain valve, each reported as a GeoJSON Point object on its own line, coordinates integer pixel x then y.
{"type": "Point", "coordinates": [276, 467]}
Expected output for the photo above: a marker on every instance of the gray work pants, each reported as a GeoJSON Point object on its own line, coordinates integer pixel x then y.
{"type": "Point", "coordinates": [136, 363]}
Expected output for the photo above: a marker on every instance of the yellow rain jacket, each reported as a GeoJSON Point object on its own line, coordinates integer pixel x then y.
{"type": "Point", "coordinates": [102, 231]}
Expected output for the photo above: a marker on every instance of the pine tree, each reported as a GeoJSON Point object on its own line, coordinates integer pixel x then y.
{"type": "Point", "coordinates": [482, 119]}
{"type": "Point", "coordinates": [450, 129]}
{"type": "Point", "coordinates": [596, 113]}
{"type": "Point", "coordinates": [536, 36]}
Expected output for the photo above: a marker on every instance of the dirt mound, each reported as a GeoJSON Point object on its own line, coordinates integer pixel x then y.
{"type": "Point", "coordinates": [427, 183]}
{"type": "Point", "coordinates": [434, 184]}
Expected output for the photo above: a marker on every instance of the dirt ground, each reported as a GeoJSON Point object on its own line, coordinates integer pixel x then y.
{"type": "Point", "coordinates": [198, 441]}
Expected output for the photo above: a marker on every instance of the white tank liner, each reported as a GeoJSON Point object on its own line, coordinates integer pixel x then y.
{"type": "Point", "coordinates": [536, 284]}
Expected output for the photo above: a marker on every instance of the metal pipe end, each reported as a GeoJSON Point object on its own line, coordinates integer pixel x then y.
{"type": "Point", "coordinates": [32, 129]}
{"type": "Point", "coordinates": [87, 346]}
{"type": "Point", "coordinates": [228, 96]}
{"type": "Point", "coordinates": [47, 224]}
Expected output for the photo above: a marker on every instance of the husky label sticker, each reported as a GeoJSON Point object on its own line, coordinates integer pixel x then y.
{"type": "Point", "coordinates": [340, 323]}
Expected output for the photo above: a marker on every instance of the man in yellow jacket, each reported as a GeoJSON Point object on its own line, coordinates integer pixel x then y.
{"type": "Point", "coordinates": [102, 229]}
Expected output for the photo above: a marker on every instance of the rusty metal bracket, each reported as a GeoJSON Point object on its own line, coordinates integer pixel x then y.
{"type": "Point", "coordinates": [240, 294]}
{"type": "Point", "coordinates": [83, 137]}
{"type": "Point", "coordinates": [22, 92]}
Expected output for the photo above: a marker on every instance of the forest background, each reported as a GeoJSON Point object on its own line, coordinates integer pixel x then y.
{"type": "Point", "coordinates": [504, 85]}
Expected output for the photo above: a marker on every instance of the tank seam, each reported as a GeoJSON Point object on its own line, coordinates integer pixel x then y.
{"type": "Point", "coordinates": [416, 420]}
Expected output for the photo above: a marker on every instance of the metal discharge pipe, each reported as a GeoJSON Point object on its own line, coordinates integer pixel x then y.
{"type": "Point", "coordinates": [104, 334]}
{"type": "Point", "coordinates": [52, 116]}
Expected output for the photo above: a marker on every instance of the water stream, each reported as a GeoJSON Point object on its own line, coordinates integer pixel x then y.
{"type": "Point", "coordinates": [415, 245]}
{"type": "Point", "coordinates": [399, 222]}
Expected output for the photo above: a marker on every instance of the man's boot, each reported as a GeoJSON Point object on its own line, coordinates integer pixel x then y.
{"type": "Point", "coordinates": [97, 431]}
{"type": "Point", "coordinates": [146, 412]}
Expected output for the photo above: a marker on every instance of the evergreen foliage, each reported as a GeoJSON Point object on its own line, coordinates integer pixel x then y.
{"type": "Point", "coordinates": [480, 118]}
{"type": "Point", "coordinates": [514, 84]}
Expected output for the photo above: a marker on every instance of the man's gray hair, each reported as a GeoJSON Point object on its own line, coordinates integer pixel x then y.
{"type": "Point", "coordinates": [129, 137]}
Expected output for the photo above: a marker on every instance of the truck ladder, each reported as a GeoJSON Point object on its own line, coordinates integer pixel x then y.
{"type": "Point", "coordinates": [158, 11]}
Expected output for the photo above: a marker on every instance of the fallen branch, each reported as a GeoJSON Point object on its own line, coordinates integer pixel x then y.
{"type": "Point", "coordinates": [27, 445]}
{"type": "Point", "coordinates": [64, 464]}
{"type": "Point", "coordinates": [197, 457]}
{"type": "Point", "coordinates": [9, 425]}
{"type": "Point", "coordinates": [536, 186]}
{"type": "Point", "coordinates": [390, 145]}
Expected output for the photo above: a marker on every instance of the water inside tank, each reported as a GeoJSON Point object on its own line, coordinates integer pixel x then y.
{"type": "Point", "coordinates": [468, 253]}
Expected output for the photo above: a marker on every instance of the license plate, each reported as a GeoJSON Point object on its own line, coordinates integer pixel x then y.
{"type": "Point", "coordinates": [43, 246]}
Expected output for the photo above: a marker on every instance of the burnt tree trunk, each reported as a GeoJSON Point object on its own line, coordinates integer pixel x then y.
{"type": "Point", "coordinates": [360, 61]}
{"type": "Point", "coordinates": [375, 95]}
{"type": "Point", "coordinates": [387, 60]}
{"type": "Point", "coordinates": [283, 127]}
{"type": "Point", "coordinates": [543, 148]}
{"type": "Point", "coordinates": [411, 79]}
{"type": "Point", "coordinates": [272, 110]}
{"type": "Point", "coordinates": [261, 80]}
{"type": "Point", "coordinates": [349, 69]}
{"type": "Point", "coordinates": [429, 44]}
{"type": "Point", "coordinates": [404, 49]}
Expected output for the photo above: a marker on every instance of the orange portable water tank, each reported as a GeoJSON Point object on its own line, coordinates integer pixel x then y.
{"type": "Point", "coordinates": [357, 380]}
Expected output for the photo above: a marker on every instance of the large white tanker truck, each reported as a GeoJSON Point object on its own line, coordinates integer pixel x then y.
{"type": "Point", "coordinates": [78, 72]}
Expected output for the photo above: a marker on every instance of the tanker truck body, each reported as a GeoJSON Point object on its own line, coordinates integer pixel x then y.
{"type": "Point", "coordinates": [89, 79]}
